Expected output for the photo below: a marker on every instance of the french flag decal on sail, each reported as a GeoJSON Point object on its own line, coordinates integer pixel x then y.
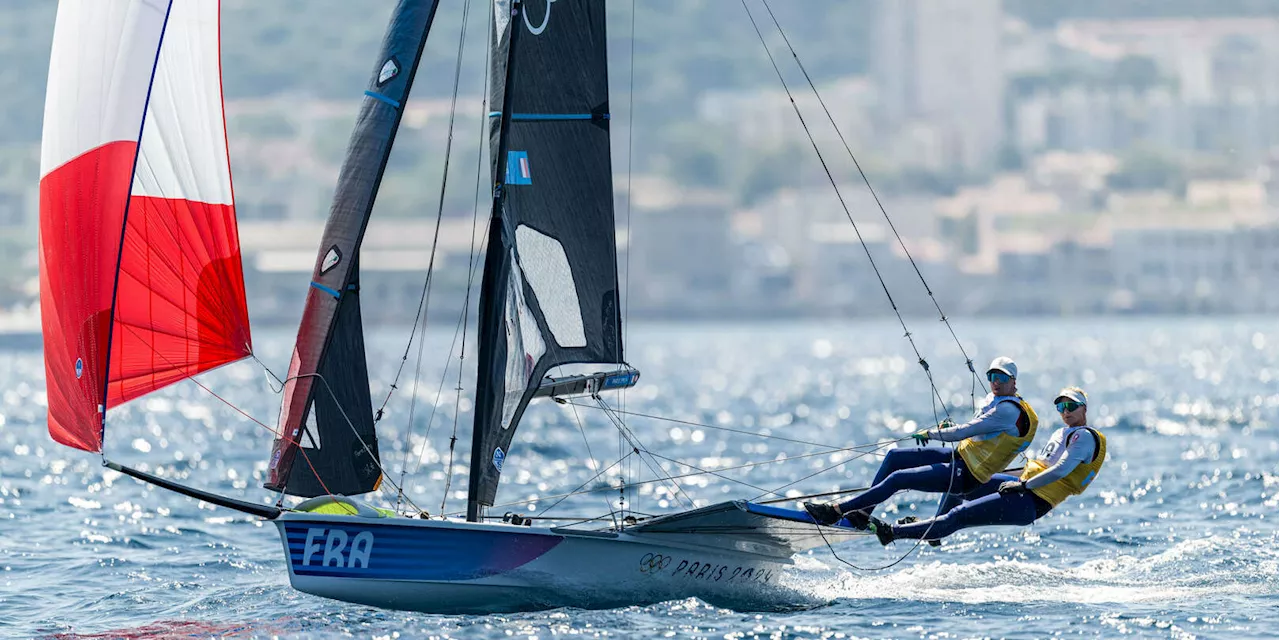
{"type": "Point", "coordinates": [518, 168]}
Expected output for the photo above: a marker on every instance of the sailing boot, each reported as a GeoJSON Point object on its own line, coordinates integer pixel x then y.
{"type": "Point", "coordinates": [882, 529]}
{"type": "Point", "coordinates": [822, 513]}
{"type": "Point", "coordinates": [858, 519]}
{"type": "Point", "coordinates": [909, 520]}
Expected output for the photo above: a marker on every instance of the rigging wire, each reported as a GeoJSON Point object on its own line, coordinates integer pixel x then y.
{"type": "Point", "coordinates": [424, 298]}
{"type": "Point", "coordinates": [775, 491]}
{"type": "Point", "coordinates": [706, 426]}
{"type": "Point", "coordinates": [858, 450]}
{"type": "Point", "coordinates": [932, 521]}
{"type": "Point", "coordinates": [862, 450]}
{"type": "Point", "coordinates": [941, 316]}
{"type": "Point", "coordinates": [640, 449]}
{"type": "Point", "coordinates": [425, 301]}
{"type": "Point", "coordinates": [242, 412]}
{"type": "Point", "coordinates": [578, 490]}
{"type": "Point", "coordinates": [592, 457]}
{"type": "Point", "coordinates": [471, 275]}
{"type": "Point", "coordinates": [356, 433]}
{"type": "Point", "coordinates": [626, 290]}
{"type": "Point", "coordinates": [843, 205]}
{"type": "Point", "coordinates": [907, 333]}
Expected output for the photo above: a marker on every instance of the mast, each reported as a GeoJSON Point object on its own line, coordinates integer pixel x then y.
{"type": "Point", "coordinates": [487, 321]}
{"type": "Point", "coordinates": [549, 293]}
{"type": "Point", "coordinates": [328, 372]}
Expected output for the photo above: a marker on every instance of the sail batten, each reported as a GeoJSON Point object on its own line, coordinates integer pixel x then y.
{"type": "Point", "coordinates": [549, 295]}
{"type": "Point", "coordinates": [141, 283]}
{"type": "Point", "coordinates": [327, 407]}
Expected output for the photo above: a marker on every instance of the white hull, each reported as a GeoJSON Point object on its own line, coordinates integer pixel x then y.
{"type": "Point", "coordinates": [438, 566]}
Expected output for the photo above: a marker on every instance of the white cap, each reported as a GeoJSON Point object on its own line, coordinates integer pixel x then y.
{"type": "Point", "coordinates": [1074, 394]}
{"type": "Point", "coordinates": [1004, 364]}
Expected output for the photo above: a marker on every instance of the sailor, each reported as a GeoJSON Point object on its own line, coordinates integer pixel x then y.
{"type": "Point", "coordinates": [1063, 468]}
{"type": "Point", "coordinates": [1001, 429]}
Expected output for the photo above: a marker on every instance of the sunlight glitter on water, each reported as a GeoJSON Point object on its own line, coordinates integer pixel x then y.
{"type": "Point", "coordinates": [1177, 537]}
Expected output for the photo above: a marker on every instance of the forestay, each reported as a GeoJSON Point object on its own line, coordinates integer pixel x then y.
{"type": "Point", "coordinates": [550, 289]}
{"type": "Point", "coordinates": [141, 284]}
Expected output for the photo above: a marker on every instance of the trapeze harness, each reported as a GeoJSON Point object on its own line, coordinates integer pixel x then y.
{"type": "Point", "coordinates": [1023, 508]}
{"type": "Point", "coordinates": [1072, 484]}
{"type": "Point", "coordinates": [936, 469]}
{"type": "Point", "coordinates": [988, 454]}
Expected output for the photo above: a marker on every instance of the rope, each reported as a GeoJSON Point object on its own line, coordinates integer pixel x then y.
{"type": "Point", "coordinates": [703, 426]}
{"type": "Point", "coordinates": [592, 457]}
{"type": "Point", "coordinates": [356, 433]}
{"type": "Point", "coordinates": [640, 449]}
{"type": "Point", "coordinates": [237, 409]}
{"type": "Point", "coordinates": [578, 490]}
{"type": "Point", "coordinates": [425, 300]}
{"type": "Point", "coordinates": [941, 316]}
{"type": "Point", "coordinates": [860, 449]}
{"type": "Point", "coordinates": [845, 207]}
{"type": "Point", "coordinates": [880, 445]}
{"type": "Point", "coordinates": [269, 372]}
{"type": "Point", "coordinates": [626, 309]}
{"type": "Point", "coordinates": [826, 169]}
{"type": "Point", "coordinates": [471, 275]}
{"type": "Point", "coordinates": [932, 521]}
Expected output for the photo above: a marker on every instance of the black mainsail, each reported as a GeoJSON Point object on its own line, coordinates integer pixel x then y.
{"type": "Point", "coordinates": [328, 372]}
{"type": "Point", "coordinates": [549, 294]}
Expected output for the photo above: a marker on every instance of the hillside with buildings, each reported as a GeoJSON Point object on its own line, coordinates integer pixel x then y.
{"type": "Point", "coordinates": [1035, 156]}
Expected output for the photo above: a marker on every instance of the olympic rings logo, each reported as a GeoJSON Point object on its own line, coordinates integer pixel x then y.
{"type": "Point", "coordinates": [654, 562]}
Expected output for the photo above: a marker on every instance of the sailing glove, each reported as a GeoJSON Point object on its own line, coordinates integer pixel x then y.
{"type": "Point", "coordinates": [1012, 487]}
{"type": "Point", "coordinates": [921, 438]}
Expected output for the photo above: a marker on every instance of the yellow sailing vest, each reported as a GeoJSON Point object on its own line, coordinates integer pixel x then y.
{"type": "Point", "coordinates": [1074, 483]}
{"type": "Point", "coordinates": [988, 455]}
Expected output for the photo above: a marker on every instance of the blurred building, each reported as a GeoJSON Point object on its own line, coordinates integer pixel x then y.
{"type": "Point", "coordinates": [1201, 85]}
{"type": "Point", "coordinates": [938, 68]}
{"type": "Point", "coordinates": [280, 256]}
{"type": "Point", "coordinates": [766, 118]}
{"type": "Point", "coordinates": [1187, 267]}
{"type": "Point", "coordinates": [680, 250]}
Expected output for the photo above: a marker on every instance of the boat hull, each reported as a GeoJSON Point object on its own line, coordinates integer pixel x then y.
{"type": "Point", "coordinates": [437, 566]}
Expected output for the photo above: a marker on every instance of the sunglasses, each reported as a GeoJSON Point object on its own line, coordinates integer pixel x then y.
{"type": "Point", "coordinates": [1068, 406]}
{"type": "Point", "coordinates": [996, 376]}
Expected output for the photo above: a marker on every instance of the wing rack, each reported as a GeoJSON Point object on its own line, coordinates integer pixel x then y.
{"type": "Point", "coordinates": [591, 383]}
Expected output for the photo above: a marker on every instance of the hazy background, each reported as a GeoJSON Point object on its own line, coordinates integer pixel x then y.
{"type": "Point", "coordinates": [1037, 156]}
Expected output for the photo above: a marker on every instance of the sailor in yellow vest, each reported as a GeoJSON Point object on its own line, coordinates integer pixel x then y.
{"type": "Point", "coordinates": [1003, 427]}
{"type": "Point", "coordinates": [1063, 468]}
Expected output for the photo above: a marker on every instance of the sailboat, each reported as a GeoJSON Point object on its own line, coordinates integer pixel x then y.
{"type": "Point", "coordinates": [142, 287]}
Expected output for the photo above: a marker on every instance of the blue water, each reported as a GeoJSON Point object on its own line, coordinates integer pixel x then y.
{"type": "Point", "coordinates": [1177, 537]}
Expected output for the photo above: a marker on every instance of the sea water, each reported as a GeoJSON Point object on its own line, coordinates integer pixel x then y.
{"type": "Point", "coordinates": [1176, 538]}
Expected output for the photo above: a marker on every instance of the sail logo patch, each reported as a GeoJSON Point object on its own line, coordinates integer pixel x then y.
{"type": "Point", "coordinates": [546, 18]}
{"type": "Point", "coordinates": [79, 368]}
{"type": "Point", "coordinates": [498, 458]}
{"type": "Point", "coordinates": [389, 70]}
{"type": "Point", "coordinates": [334, 551]}
{"type": "Point", "coordinates": [331, 259]}
{"type": "Point", "coordinates": [518, 168]}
